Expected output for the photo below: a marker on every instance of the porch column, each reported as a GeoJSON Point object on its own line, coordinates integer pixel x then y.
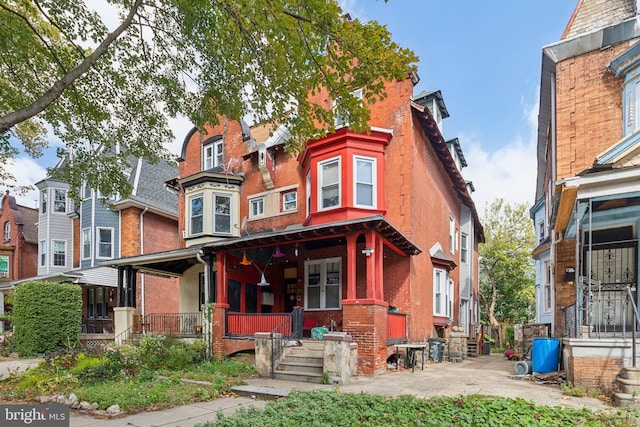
{"type": "Point", "coordinates": [218, 317]}
{"type": "Point", "coordinates": [370, 238]}
{"type": "Point", "coordinates": [379, 269]}
{"type": "Point", "coordinates": [351, 266]}
{"type": "Point", "coordinates": [120, 291]}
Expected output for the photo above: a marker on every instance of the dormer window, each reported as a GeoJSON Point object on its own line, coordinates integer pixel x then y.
{"type": "Point", "coordinates": [341, 119]}
{"type": "Point", "coordinates": [60, 201]}
{"type": "Point", "coordinates": [329, 180]}
{"type": "Point", "coordinates": [212, 154]}
{"type": "Point", "coordinates": [7, 231]}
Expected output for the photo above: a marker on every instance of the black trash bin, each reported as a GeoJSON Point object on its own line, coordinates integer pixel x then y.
{"type": "Point", "coordinates": [436, 349]}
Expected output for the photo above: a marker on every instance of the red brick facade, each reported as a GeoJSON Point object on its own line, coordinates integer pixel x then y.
{"type": "Point", "coordinates": [20, 246]}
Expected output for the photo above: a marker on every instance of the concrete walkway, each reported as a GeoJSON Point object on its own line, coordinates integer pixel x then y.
{"type": "Point", "coordinates": [491, 375]}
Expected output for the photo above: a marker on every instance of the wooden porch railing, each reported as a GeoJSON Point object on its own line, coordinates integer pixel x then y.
{"type": "Point", "coordinates": [396, 328]}
{"type": "Point", "coordinates": [247, 324]}
{"type": "Point", "coordinates": [96, 326]}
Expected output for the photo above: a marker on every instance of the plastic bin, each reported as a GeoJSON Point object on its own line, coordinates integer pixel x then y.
{"type": "Point", "coordinates": [522, 367]}
{"type": "Point", "coordinates": [545, 354]}
{"type": "Point", "coordinates": [436, 349]}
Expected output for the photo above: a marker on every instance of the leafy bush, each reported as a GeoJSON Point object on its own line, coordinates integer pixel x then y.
{"type": "Point", "coordinates": [46, 317]}
{"type": "Point", "coordinates": [158, 352]}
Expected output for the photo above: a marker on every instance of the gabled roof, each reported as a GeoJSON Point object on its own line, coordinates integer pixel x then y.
{"type": "Point", "coordinates": [23, 215]}
{"type": "Point", "coordinates": [424, 97]}
{"type": "Point", "coordinates": [439, 145]}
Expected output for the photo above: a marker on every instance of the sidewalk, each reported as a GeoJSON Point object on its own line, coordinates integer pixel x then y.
{"type": "Point", "coordinates": [488, 375]}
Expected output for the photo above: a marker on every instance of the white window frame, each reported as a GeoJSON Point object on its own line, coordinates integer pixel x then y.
{"type": "Point", "coordinates": [63, 245]}
{"type": "Point", "coordinates": [100, 243]}
{"type": "Point", "coordinates": [86, 243]}
{"type": "Point", "coordinates": [256, 207]}
{"type": "Point", "coordinates": [540, 231]}
{"type": "Point", "coordinates": [452, 230]}
{"type": "Point", "coordinates": [191, 216]}
{"type": "Point", "coordinates": [212, 154]}
{"type": "Point", "coordinates": [443, 293]}
{"type": "Point", "coordinates": [42, 253]}
{"type": "Point", "coordinates": [323, 282]}
{"type": "Point", "coordinates": [292, 204]}
{"type": "Point", "coordinates": [339, 120]}
{"type": "Point", "coordinates": [86, 191]}
{"type": "Point", "coordinates": [217, 214]}
{"type": "Point", "coordinates": [547, 296]}
{"type": "Point", "coordinates": [464, 248]}
{"type": "Point", "coordinates": [7, 231]}
{"type": "Point", "coordinates": [321, 184]}
{"type": "Point", "coordinates": [373, 184]}
{"type": "Point", "coordinates": [44, 201]}
{"type": "Point", "coordinates": [308, 188]}
{"type": "Point", "coordinates": [57, 202]}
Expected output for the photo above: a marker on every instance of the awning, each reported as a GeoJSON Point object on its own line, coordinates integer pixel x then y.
{"type": "Point", "coordinates": [565, 206]}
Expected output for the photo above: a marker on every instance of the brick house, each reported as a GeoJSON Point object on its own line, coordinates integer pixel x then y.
{"type": "Point", "coordinates": [586, 213]}
{"type": "Point", "coordinates": [372, 234]}
{"type": "Point", "coordinates": [73, 239]}
{"type": "Point", "coordinates": [19, 247]}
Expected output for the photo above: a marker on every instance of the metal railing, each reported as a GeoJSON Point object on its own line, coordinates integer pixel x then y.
{"type": "Point", "coordinates": [182, 324]}
{"type": "Point", "coordinates": [289, 328]}
{"type": "Point", "coordinates": [605, 309]}
{"type": "Point", "coordinates": [636, 323]}
{"type": "Point", "coordinates": [247, 324]}
{"type": "Point", "coordinates": [96, 326]}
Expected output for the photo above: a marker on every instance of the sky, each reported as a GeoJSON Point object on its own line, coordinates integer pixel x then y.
{"type": "Point", "coordinates": [483, 55]}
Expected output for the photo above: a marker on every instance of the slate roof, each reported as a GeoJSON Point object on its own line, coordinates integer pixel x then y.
{"type": "Point", "coordinates": [149, 189]}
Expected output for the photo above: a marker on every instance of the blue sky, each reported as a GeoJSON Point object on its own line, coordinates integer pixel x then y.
{"type": "Point", "coordinates": [485, 57]}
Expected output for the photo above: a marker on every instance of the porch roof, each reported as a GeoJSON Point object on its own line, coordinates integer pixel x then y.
{"type": "Point", "coordinates": [176, 262]}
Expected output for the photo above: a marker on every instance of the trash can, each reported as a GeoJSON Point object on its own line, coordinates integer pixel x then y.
{"type": "Point", "coordinates": [486, 347]}
{"type": "Point", "coordinates": [545, 355]}
{"type": "Point", "coordinates": [436, 349]}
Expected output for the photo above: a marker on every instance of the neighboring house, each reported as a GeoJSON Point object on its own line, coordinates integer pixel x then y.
{"type": "Point", "coordinates": [73, 239]}
{"type": "Point", "coordinates": [587, 209]}
{"type": "Point", "coordinates": [19, 247]}
{"type": "Point", "coordinates": [374, 234]}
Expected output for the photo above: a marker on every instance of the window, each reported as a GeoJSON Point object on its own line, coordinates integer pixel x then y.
{"type": "Point", "coordinates": [341, 118]}
{"type": "Point", "coordinates": [43, 253]}
{"type": "Point", "coordinates": [212, 154]}
{"type": "Point", "coordinates": [59, 252]}
{"type": "Point", "coordinates": [7, 231]}
{"type": "Point", "coordinates": [97, 302]}
{"type": "Point", "coordinates": [221, 213]}
{"type": "Point", "coordinates": [442, 294]}
{"type": "Point", "coordinates": [196, 214]}
{"type": "Point", "coordinates": [365, 182]}
{"type": "Point", "coordinates": [329, 180]}
{"type": "Point", "coordinates": [323, 284]}
{"type": "Point", "coordinates": [44, 196]}
{"type": "Point", "coordinates": [290, 201]}
{"type": "Point", "coordinates": [308, 194]}
{"type": "Point", "coordinates": [105, 242]}
{"type": "Point", "coordinates": [452, 230]}
{"type": "Point", "coordinates": [59, 201]}
{"type": "Point", "coordinates": [540, 231]}
{"type": "Point", "coordinates": [256, 207]}
{"type": "Point", "coordinates": [86, 191]}
{"type": "Point", "coordinates": [464, 248]}
{"type": "Point", "coordinates": [547, 286]}
{"type": "Point", "coordinates": [86, 243]}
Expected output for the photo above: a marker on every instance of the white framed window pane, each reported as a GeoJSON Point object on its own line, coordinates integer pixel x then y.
{"type": "Point", "coordinates": [44, 197]}
{"type": "Point", "coordinates": [106, 244]}
{"type": "Point", "coordinates": [60, 201]}
{"type": "Point", "coordinates": [257, 207]}
{"type": "Point", "coordinates": [222, 214]}
{"type": "Point", "coordinates": [218, 153]}
{"type": "Point", "coordinates": [290, 201]}
{"type": "Point", "coordinates": [59, 253]}
{"type": "Point", "coordinates": [332, 296]}
{"type": "Point", "coordinates": [313, 297]}
{"type": "Point", "coordinates": [196, 215]}
{"type": "Point", "coordinates": [207, 157]}
{"type": "Point", "coordinates": [364, 182]}
{"type": "Point", "coordinates": [43, 253]}
{"type": "Point", "coordinates": [86, 243]}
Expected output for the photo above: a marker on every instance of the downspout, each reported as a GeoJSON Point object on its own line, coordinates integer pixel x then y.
{"type": "Point", "coordinates": [142, 253]}
{"type": "Point", "coordinates": [206, 325]}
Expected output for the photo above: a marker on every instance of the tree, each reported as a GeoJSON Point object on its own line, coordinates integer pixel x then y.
{"type": "Point", "coordinates": [98, 88]}
{"type": "Point", "coordinates": [507, 272]}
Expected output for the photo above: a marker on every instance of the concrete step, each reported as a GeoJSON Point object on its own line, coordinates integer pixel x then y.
{"type": "Point", "coordinates": [300, 366]}
{"type": "Point", "coordinates": [630, 373]}
{"type": "Point", "coordinates": [257, 392]}
{"type": "Point", "coordinates": [625, 400]}
{"type": "Point", "coordinates": [304, 352]}
{"type": "Point", "coordinates": [628, 386]}
{"type": "Point", "coordinates": [299, 376]}
{"type": "Point", "coordinates": [312, 344]}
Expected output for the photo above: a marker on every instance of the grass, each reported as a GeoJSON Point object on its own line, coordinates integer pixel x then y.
{"type": "Point", "coordinates": [331, 408]}
{"type": "Point", "coordinates": [146, 376]}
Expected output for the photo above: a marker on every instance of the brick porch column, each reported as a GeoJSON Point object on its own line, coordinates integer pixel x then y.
{"type": "Point", "coordinates": [366, 321]}
{"type": "Point", "coordinates": [218, 326]}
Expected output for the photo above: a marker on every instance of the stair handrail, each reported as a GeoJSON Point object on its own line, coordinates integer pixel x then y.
{"type": "Point", "coordinates": [636, 322]}
{"type": "Point", "coordinates": [295, 320]}
{"type": "Point", "coordinates": [124, 335]}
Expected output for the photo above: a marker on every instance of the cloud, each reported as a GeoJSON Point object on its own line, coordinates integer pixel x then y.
{"type": "Point", "coordinates": [27, 172]}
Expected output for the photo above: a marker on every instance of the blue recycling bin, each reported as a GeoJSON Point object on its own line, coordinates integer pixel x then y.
{"type": "Point", "coordinates": [545, 355]}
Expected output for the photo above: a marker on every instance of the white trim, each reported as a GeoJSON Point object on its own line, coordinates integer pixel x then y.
{"type": "Point", "coordinates": [284, 201]}
{"type": "Point", "coordinates": [214, 215]}
{"type": "Point", "coordinates": [256, 207]}
{"type": "Point", "coordinates": [190, 214]}
{"type": "Point", "coordinates": [99, 242]}
{"type": "Point", "coordinates": [338, 160]}
{"type": "Point", "coordinates": [374, 181]}
{"type": "Point", "coordinates": [322, 283]}
{"type": "Point", "coordinates": [82, 243]}
{"type": "Point", "coordinates": [53, 252]}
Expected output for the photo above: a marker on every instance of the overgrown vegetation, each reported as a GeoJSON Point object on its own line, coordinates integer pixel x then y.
{"type": "Point", "coordinates": [147, 375]}
{"type": "Point", "coordinates": [323, 408]}
{"type": "Point", "coordinates": [46, 317]}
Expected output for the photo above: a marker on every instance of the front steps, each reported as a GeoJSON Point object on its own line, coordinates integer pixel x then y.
{"type": "Point", "coordinates": [472, 348]}
{"type": "Point", "coordinates": [302, 363]}
{"type": "Point", "coordinates": [629, 384]}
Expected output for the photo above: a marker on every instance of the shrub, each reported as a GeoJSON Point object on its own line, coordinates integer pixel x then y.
{"type": "Point", "coordinates": [46, 317]}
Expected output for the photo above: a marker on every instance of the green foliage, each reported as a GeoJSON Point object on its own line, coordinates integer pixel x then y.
{"type": "Point", "coordinates": [159, 351]}
{"type": "Point", "coordinates": [173, 58]}
{"type": "Point", "coordinates": [323, 408]}
{"type": "Point", "coordinates": [46, 317]}
{"type": "Point", "coordinates": [507, 270]}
